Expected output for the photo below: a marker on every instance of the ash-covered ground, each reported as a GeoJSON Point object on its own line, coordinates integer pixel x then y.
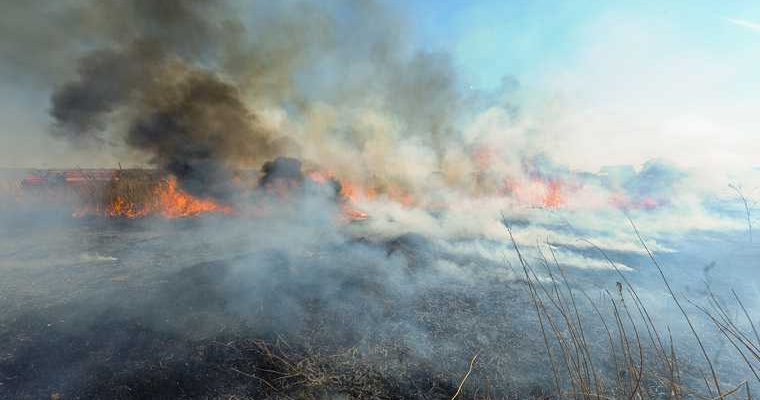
{"type": "Point", "coordinates": [102, 309]}
{"type": "Point", "coordinates": [220, 308]}
{"type": "Point", "coordinates": [495, 159]}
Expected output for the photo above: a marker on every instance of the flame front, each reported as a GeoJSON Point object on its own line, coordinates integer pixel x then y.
{"type": "Point", "coordinates": [120, 207]}
{"type": "Point", "coordinates": [140, 195]}
{"type": "Point", "coordinates": [167, 200]}
{"type": "Point", "coordinates": [174, 202]}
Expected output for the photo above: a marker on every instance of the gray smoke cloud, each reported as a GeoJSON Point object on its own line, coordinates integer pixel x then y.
{"type": "Point", "coordinates": [198, 86]}
{"type": "Point", "coordinates": [204, 88]}
{"type": "Point", "coordinates": [190, 120]}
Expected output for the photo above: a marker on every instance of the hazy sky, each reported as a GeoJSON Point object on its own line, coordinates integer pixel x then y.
{"type": "Point", "coordinates": [628, 80]}
{"type": "Point", "coordinates": [614, 82]}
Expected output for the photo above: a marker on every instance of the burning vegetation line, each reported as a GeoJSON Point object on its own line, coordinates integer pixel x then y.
{"type": "Point", "coordinates": [133, 200]}
{"type": "Point", "coordinates": [136, 194]}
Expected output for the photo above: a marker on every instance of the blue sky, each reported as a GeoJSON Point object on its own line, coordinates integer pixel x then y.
{"type": "Point", "coordinates": [606, 82]}
{"type": "Point", "coordinates": [491, 38]}
{"type": "Point", "coordinates": [626, 81]}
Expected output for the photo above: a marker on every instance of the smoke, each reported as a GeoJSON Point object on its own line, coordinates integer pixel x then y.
{"type": "Point", "coordinates": [339, 85]}
{"type": "Point", "coordinates": [150, 81]}
{"type": "Point", "coordinates": [106, 79]}
{"type": "Point", "coordinates": [204, 93]}
{"type": "Point", "coordinates": [331, 87]}
{"type": "Point", "coordinates": [207, 90]}
{"type": "Point", "coordinates": [197, 127]}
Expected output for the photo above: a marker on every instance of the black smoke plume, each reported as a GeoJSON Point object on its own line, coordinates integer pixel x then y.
{"type": "Point", "coordinates": [194, 85]}
{"type": "Point", "coordinates": [153, 85]}
{"type": "Point", "coordinates": [284, 168]}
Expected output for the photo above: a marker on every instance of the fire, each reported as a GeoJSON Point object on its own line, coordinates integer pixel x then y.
{"type": "Point", "coordinates": [349, 191]}
{"type": "Point", "coordinates": [401, 197]}
{"type": "Point", "coordinates": [553, 197]}
{"type": "Point", "coordinates": [352, 214]}
{"type": "Point", "coordinates": [357, 193]}
{"type": "Point", "coordinates": [623, 201]}
{"type": "Point", "coordinates": [353, 196]}
{"type": "Point", "coordinates": [349, 194]}
{"type": "Point", "coordinates": [535, 192]}
{"type": "Point", "coordinates": [167, 200]}
{"type": "Point", "coordinates": [320, 176]}
{"type": "Point", "coordinates": [175, 203]}
{"type": "Point", "coordinates": [120, 207]}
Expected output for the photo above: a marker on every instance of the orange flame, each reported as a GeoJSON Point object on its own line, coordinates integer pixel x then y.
{"type": "Point", "coordinates": [174, 202]}
{"type": "Point", "coordinates": [349, 194]}
{"type": "Point", "coordinates": [168, 201]}
{"type": "Point", "coordinates": [553, 197]}
{"type": "Point", "coordinates": [320, 176]}
{"type": "Point", "coordinates": [535, 192]}
{"type": "Point", "coordinates": [120, 207]}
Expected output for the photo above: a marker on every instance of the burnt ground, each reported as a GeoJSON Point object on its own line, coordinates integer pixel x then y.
{"type": "Point", "coordinates": [96, 309]}
{"type": "Point", "coordinates": [121, 310]}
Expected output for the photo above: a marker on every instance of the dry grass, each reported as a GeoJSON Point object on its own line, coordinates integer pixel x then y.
{"type": "Point", "coordinates": [595, 349]}
{"type": "Point", "coordinates": [645, 363]}
{"type": "Point", "coordinates": [131, 189]}
{"type": "Point", "coordinates": [89, 194]}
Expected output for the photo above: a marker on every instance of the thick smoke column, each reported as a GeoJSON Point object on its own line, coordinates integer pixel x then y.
{"type": "Point", "coordinates": [281, 168]}
{"type": "Point", "coordinates": [207, 88]}
{"type": "Point", "coordinates": [199, 129]}
{"type": "Point", "coordinates": [316, 95]}
{"type": "Point", "coordinates": [203, 94]}
{"type": "Point", "coordinates": [190, 120]}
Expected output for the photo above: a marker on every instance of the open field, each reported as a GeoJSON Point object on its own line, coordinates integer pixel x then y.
{"type": "Point", "coordinates": [379, 199]}
{"type": "Point", "coordinates": [103, 308]}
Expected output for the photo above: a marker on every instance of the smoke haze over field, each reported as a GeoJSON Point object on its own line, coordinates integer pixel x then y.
{"type": "Point", "coordinates": [350, 170]}
{"type": "Point", "coordinates": [206, 89]}
{"type": "Point", "coordinates": [200, 92]}
{"type": "Point", "coordinates": [346, 86]}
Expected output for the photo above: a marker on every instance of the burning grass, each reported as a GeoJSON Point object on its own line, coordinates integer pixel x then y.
{"type": "Point", "coordinates": [125, 199]}
{"type": "Point", "coordinates": [138, 193]}
{"type": "Point", "coordinates": [129, 193]}
{"type": "Point", "coordinates": [318, 323]}
{"type": "Point", "coordinates": [132, 193]}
